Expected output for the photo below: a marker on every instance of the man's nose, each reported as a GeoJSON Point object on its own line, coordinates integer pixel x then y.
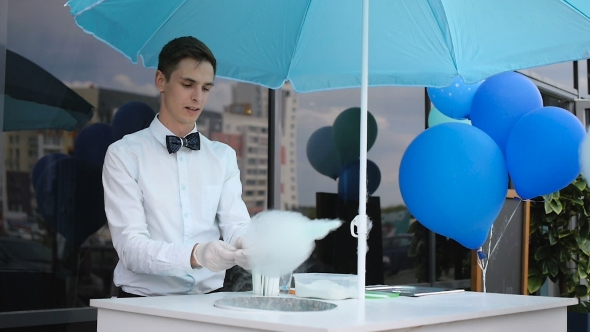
{"type": "Point", "coordinates": [196, 95]}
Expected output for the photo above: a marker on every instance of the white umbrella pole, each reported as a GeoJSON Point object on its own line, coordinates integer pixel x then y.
{"type": "Point", "coordinates": [362, 220]}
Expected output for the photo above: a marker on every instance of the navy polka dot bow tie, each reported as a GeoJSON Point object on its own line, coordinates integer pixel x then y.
{"type": "Point", "coordinates": [191, 141]}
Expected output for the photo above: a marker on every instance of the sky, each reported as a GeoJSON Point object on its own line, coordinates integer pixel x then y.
{"type": "Point", "coordinates": [44, 32]}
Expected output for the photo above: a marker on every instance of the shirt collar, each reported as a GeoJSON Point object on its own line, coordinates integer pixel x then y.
{"type": "Point", "coordinates": [160, 131]}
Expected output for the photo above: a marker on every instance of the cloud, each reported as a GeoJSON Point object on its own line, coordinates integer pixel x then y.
{"type": "Point", "coordinates": [221, 95]}
{"type": "Point", "coordinates": [80, 84]}
{"type": "Point", "coordinates": [125, 83]}
{"type": "Point", "coordinates": [318, 117]}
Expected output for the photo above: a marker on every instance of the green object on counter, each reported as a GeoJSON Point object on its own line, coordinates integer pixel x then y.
{"type": "Point", "coordinates": [380, 295]}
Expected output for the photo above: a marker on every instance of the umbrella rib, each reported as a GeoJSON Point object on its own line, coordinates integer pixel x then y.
{"type": "Point", "coordinates": [298, 37]}
{"type": "Point", "coordinates": [442, 29]}
{"type": "Point", "coordinates": [87, 8]}
{"type": "Point", "coordinates": [576, 9]}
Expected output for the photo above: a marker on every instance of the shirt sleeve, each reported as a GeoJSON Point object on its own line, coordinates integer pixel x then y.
{"type": "Point", "coordinates": [127, 222]}
{"type": "Point", "coordinates": [232, 212]}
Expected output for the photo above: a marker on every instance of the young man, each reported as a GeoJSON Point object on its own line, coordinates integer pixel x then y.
{"type": "Point", "coordinates": [171, 193]}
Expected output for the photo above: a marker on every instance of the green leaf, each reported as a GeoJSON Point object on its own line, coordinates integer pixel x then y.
{"type": "Point", "coordinates": [553, 269]}
{"type": "Point", "coordinates": [578, 201]}
{"type": "Point", "coordinates": [582, 271]}
{"type": "Point", "coordinates": [535, 282]}
{"type": "Point", "coordinates": [580, 184]}
{"type": "Point", "coordinates": [585, 247]}
{"type": "Point", "coordinates": [556, 206]}
{"type": "Point", "coordinates": [564, 256]}
{"type": "Point", "coordinates": [542, 253]}
{"type": "Point", "coordinates": [545, 268]}
{"type": "Point", "coordinates": [533, 270]}
{"type": "Point", "coordinates": [581, 290]}
{"type": "Point", "coordinates": [552, 240]}
{"type": "Point", "coordinates": [547, 204]}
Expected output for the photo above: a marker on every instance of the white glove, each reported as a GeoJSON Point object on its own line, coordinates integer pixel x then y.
{"type": "Point", "coordinates": [215, 255]}
{"type": "Point", "coordinates": [243, 255]}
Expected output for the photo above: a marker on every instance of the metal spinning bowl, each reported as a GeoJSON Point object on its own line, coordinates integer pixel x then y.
{"type": "Point", "coordinates": [291, 304]}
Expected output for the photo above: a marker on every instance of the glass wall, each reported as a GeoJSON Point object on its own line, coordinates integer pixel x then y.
{"type": "Point", "coordinates": [399, 115]}
{"type": "Point", "coordinates": [560, 74]}
{"type": "Point", "coordinates": [55, 246]}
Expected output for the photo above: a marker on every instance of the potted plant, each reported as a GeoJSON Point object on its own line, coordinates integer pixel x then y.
{"type": "Point", "coordinates": [559, 247]}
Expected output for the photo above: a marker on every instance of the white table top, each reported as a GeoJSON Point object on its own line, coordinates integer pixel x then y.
{"type": "Point", "coordinates": [349, 316]}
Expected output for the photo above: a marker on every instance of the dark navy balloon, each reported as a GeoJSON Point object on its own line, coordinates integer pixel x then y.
{"type": "Point", "coordinates": [322, 154]}
{"type": "Point", "coordinates": [92, 142]}
{"type": "Point", "coordinates": [348, 181]}
{"type": "Point", "coordinates": [131, 117]}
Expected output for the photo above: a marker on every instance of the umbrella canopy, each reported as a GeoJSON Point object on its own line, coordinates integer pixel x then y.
{"type": "Point", "coordinates": [316, 45]}
{"type": "Point", "coordinates": [332, 44]}
{"type": "Point", "coordinates": [35, 99]}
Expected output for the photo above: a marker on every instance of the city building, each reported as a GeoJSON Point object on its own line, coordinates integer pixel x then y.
{"type": "Point", "coordinates": [250, 105]}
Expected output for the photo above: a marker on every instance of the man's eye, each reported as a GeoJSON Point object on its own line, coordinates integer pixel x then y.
{"type": "Point", "coordinates": [186, 85]}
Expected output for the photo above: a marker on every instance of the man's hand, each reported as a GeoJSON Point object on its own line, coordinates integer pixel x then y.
{"type": "Point", "coordinates": [215, 255]}
{"type": "Point", "coordinates": [243, 255]}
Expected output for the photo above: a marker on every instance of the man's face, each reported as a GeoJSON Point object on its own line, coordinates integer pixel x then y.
{"type": "Point", "coordinates": [185, 94]}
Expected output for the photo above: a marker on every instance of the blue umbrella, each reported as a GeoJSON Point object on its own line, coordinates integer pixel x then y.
{"type": "Point", "coordinates": [324, 44]}
{"type": "Point", "coordinates": [35, 99]}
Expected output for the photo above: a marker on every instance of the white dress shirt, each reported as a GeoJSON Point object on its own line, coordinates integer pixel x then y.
{"type": "Point", "coordinates": [159, 205]}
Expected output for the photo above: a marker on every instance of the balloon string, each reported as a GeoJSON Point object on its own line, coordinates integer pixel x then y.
{"type": "Point", "coordinates": [482, 261]}
{"type": "Point", "coordinates": [505, 227]}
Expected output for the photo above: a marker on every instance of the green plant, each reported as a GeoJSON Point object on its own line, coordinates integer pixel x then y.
{"type": "Point", "coordinates": [559, 246]}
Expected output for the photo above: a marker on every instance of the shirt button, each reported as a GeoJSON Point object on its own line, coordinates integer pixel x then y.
{"type": "Point", "coordinates": [183, 187]}
{"type": "Point", "coordinates": [186, 215]}
{"type": "Point", "coordinates": [181, 158]}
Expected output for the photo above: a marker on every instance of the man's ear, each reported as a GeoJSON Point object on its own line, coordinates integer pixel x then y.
{"type": "Point", "coordinates": [160, 80]}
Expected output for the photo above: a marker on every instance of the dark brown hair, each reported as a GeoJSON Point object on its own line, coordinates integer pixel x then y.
{"type": "Point", "coordinates": [181, 48]}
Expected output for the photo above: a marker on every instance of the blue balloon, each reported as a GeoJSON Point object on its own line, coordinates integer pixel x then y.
{"type": "Point", "coordinates": [322, 154]}
{"type": "Point", "coordinates": [348, 182]}
{"type": "Point", "coordinates": [435, 117]}
{"type": "Point", "coordinates": [43, 163]}
{"type": "Point", "coordinates": [455, 99]}
{"type": "Point", "coordinates": [92, 142]}
{"type": "Point", "coordinates": [543, 151]}
{"type": "Point", "coordinates": [500, 102]}
{"type": "Point", "coordinates": [131, 117]}
{"type": "Point", "coordinates": [70, 197]}
{"type": "Point", "coordinates": [453, 179]}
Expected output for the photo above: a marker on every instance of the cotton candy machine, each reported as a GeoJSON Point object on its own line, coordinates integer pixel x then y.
{"type": "Point", "coordinates": [288, 304]}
